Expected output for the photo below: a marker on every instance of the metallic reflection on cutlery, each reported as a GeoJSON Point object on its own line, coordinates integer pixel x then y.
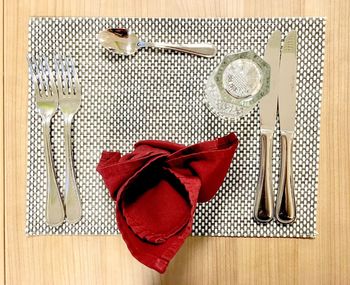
{"type": "Point", "coordinates": [46, 97]}
{"type": "Point", "coordinates": [121, 41]}
{"type": "Point", "coordinates": [263, 208]}
{"type": "Point", "coordinates": [69, 90]}
{"type": "Point", "coordinates": [285, 204]}
{"type": "Point", "coordinates": [283, 88]}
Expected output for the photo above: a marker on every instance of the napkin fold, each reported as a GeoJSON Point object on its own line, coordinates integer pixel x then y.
{"type": "Point", "coordinates": [156, 188]}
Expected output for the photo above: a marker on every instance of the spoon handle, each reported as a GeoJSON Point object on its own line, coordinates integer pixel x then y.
{"type": "Point", "coordinates": [206, 50]}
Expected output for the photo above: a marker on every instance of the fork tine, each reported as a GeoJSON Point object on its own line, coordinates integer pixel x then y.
{"type": "Point", "coordinates": [58, 75]}
{"type": "Point", "coordinates": [64, 76]}
{"type": "Point", "coordinates": [68, 73]}
{"type": "Point", "coordinates": [43, 76]}
{"type": "Point", "coordinates": [35, 74]}
{"type": "Point", "coordinates": [39, 76]}
{"type": "Point", "coordinates": [32, 74]}
{"type": "Point", "coordinates": [50, 78]}
{"type": "Point", "coordinates": [75, 76]}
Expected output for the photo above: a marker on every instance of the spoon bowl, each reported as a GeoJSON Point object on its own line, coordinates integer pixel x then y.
{"type": "Point", "coordinates": [119, 41]}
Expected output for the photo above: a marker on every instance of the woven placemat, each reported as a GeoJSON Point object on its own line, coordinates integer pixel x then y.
{"type": "Point", "coordinates": [159, 95]}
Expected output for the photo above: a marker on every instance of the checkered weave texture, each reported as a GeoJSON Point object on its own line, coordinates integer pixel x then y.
{"type": "Point", "coordinates": [158, 94]}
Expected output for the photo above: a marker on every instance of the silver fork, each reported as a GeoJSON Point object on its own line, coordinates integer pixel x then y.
{"type": "Point", "coordinates": [47, 101]}
{"type": "Point", "coordinates": [69, 91]}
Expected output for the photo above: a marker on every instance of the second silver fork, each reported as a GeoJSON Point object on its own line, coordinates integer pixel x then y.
{"type": "Point", "coordinates": [46, 98]}
{"type": "Point", "coordinates": [69, 96]}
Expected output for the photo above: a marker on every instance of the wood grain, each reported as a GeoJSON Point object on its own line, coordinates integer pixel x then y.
{"type": "Point", "coordinates": [105, 260]}
{"type": "Point", "coordinates": [2, 187]}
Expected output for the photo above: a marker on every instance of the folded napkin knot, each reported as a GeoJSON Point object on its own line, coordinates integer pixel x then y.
{"type": "Point", "coordinates": [156, 188]}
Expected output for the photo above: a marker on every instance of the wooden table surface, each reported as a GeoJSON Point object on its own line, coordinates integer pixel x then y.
{"type": "Point", "coordinates": [105, 259]}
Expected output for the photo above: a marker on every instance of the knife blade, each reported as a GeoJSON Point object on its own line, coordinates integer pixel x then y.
{"type": "Point", "coordinates": [263, 208]}
{"type": "Point", "coordinates": [285, 204]}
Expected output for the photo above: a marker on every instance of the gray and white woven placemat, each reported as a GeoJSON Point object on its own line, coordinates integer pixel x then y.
{"type": "Point", "coordinates": [159, 95]}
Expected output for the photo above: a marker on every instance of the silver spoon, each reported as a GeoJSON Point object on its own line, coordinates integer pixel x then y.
{"type": "Point", "coordinates": [121, 41]}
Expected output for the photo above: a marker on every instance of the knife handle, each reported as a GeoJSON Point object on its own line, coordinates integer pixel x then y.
{"type": "Point", "coordinates": [285, 205]}
{"type": "Point", "coordinates": [263, 209]}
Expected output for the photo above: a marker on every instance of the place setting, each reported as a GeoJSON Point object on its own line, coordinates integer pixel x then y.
{"type": "Point", "coordinates": [159, 129]}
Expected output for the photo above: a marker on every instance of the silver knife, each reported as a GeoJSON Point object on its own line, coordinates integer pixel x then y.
{"type": "Point", "coordinates": [263, 209]}
{"type": "Point", "coordinates": [285, 204]}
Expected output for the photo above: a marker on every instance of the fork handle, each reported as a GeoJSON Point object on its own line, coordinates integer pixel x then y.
{"type": "Point", "coordinates": [71, 199]}
{"type": "Point", "coordinates": [54, 206]}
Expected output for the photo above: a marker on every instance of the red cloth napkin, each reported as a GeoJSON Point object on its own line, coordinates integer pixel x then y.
{"type": "Point", "coordinates": [156, 188]}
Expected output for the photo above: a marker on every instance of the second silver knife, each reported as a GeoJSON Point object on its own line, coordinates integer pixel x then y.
{"type": "Point", "coordinates": [285, 204]}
